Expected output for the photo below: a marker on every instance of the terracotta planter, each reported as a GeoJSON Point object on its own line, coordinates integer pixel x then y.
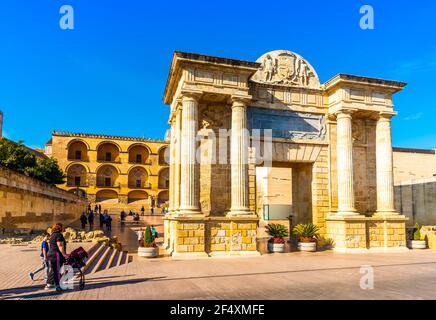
{"type": "Point", "coordinates": [418, 244]}
{"type": "Point", "coordinates": [307, 246]}
{"type": "Point", "coordinates": [147, 252]}
{"type": "Point", "coordinates": [276, 247]}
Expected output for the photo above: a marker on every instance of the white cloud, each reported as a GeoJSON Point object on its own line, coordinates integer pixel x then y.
{"type": "Point", "coordinates": [414, 116]}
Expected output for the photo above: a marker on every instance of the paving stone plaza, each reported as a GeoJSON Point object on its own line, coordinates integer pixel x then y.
{"type": "Point", "coordinates": [293, 275]}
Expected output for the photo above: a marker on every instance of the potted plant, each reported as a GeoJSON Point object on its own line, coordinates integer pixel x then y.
{"type": "Point", "coordinates": [307, 234]}
{"type": "Point", "coordinates": [418, 242]}
{"type": "Point", "coordinates": [148, 249]}
{"type": "Point", "coordinates": [277, 232]}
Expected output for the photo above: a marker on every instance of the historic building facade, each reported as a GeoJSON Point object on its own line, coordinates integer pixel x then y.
{"type": "Point", "coordinates": [327, 145]}
{"type": "Point", "coordinates": [116, 172]}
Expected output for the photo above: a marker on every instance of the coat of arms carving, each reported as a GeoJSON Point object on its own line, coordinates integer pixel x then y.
{"type": "Point", "coordinates": [286, 68]}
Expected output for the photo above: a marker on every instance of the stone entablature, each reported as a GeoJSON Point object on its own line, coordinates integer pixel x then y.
{"type": "Point", "coordinates": [335, 137]}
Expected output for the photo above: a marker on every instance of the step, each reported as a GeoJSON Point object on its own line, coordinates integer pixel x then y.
{"type": "Point", "coordinates": [123, 257]}
{"type": "Point", "coordinates": [102, 260]}
{"type": "Point", "coordinates": [92, 249]}
{"type": "Point", "coordinates": [94, 257]}
{"type": "Point", "coordinates": [120, 258]}
{"type": "Point", "coordinates": [111, 259]}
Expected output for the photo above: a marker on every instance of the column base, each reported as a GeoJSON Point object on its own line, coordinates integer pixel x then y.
{"type": "Point", "coordinates": [203, 236]}
{"type": "Point", "coordinates": [239, 212]}
{"type": "Point", "coordinates": [386, 213]}
{"type": "Point", "coordinates": [358, 233]}
{"type": "Point", "coordinates": [188, 212]}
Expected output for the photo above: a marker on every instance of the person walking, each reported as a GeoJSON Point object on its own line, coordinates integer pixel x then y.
{"type": "Point", "coordinates": [83, 220]}
{"type": "Point", "coordinates": [101, 220]}
{"type": "Point", "coordinates": [91, 220]}
{"type": "Point", "coordinates": [142, 210]}
{"type": "Point", "coordinates": [122, 216]}
{"type": "Point", "coordinates": [96, 208]}
{"type": "Point", "coordinates": [56, 255]}
{"type": "Point", "coordinates": [99, 208]}
{"type": "Point", "coordinates": [107, 219]}
{"type": "Point", "coordinates": [43, 256]}
{"type": "Point", "coordinates": [152, 210]}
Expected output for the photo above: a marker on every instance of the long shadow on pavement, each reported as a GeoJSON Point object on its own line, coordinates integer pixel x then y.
{"type": "Point", "coordinates": [88, 286]}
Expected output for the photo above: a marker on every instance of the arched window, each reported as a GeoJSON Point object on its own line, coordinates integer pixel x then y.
{"type": "Point", "coordinates": [77, 151]}
{"type": "Point", "coordinates": [108, 152]}
{"type": "Point", "coordinates": [164, 179]}
{"type": "Point", "coordinates": [138, 154]}
{"type": "Point", "coordinates": [106, 197]}
{"type": "Point", "coordinates": [107, 176]}
{"type": "Point", "coordinates": [164, 156]}
{"type": "Point", "coordinates": [76, 176]}
{"type": "Point", "coordinates": [138, 178]}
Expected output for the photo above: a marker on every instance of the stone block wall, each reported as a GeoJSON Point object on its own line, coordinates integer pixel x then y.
{"type": "Point", "coordinates": [211, 236]}
{"type": "Point", "coordinates": [362, 233]}
{"type": "Point", "coordinates": [416, 199]}
{"type": "Point", "coordinates": [384, 234]}
{"type": "Point", "coordinates": [29, 203]}
{"type": "Point", "coordinates": [347, 234]}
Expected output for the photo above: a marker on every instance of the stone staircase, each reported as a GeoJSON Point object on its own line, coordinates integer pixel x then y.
{"type": "Point", "coordinates": [103, 257]}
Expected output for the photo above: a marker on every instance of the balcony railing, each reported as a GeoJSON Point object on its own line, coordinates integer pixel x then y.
{"type": "Point", "coordinates": [146, 185]}
{"type": "Point", "coordinates": [112, 185]}
{"type": "Point", "coordinates": [108, 161]}
{"type": "Point", "coordinates": [145, 163]}
{"type": "Point", "coordinates": [72, 184]}
{"type": "Point", "coordinates": [82, 159]}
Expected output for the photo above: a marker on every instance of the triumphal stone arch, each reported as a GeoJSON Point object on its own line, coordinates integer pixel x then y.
{"type": "Point", "coordinates": [255, 142]}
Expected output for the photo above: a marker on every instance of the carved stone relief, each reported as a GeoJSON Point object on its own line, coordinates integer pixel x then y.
{"type": "Point", "coordinates": [286, 68]}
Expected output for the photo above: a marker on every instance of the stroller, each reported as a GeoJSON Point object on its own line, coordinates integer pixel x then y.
{"type": "Point", "coordinates": [77, 260]}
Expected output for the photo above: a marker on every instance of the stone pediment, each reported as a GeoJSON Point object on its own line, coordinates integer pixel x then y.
{"type": "Point", "coordinates": [287, 68]}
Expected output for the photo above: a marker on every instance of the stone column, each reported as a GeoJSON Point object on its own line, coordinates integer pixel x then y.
{"type": "Point", "coordinates": [385, 184]}
{"type": "Point", "coordinates": [177, 157]}
{"type": "Point", "coordinates": [239, 159]}
{"type": "Point", "coordinates": [172, 167]}
{"type": "Point", "coordinates": [344, 160]}
{"type": "Point", "coordinates": [189, 196]}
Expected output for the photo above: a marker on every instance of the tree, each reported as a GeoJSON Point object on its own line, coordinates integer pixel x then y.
{"type": "Point", "coordinates": [48, 171]}
{"type": "Point", "coordinates": [16, 156]}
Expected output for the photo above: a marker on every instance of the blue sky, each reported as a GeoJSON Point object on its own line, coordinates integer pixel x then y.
{"type": "Point", "coordinates": [108, 74]}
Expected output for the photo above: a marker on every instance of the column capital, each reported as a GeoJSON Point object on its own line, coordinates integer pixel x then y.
{"type": "Point", "coordinates": [239, 101]}
{"type": "Point", "coordinates": [386, 115]}
{"type": "Point", "coordinates": [190, 96]}
{"type": "Point", "coordinates": [344, 112]}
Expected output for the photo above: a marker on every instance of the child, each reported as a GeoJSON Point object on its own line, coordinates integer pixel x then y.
{"type": "Point", "coordinates": [140, 234]}
{"type": "Point", "coordinates": [43, 256]}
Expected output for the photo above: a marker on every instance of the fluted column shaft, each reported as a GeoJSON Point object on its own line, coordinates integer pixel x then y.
{"type": "Point", "coordinates": [177, 158]}
{"type": "Point", "coordinates": [239, 159]}
{"type": "Point", "coordinates": [172, 167]}
{"type": "Point", "coordinates": [385, 185]}
{"type": "Point", "coordinates": [189, 197]}
{"type": "Point", "coordinates": [346, 202]}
